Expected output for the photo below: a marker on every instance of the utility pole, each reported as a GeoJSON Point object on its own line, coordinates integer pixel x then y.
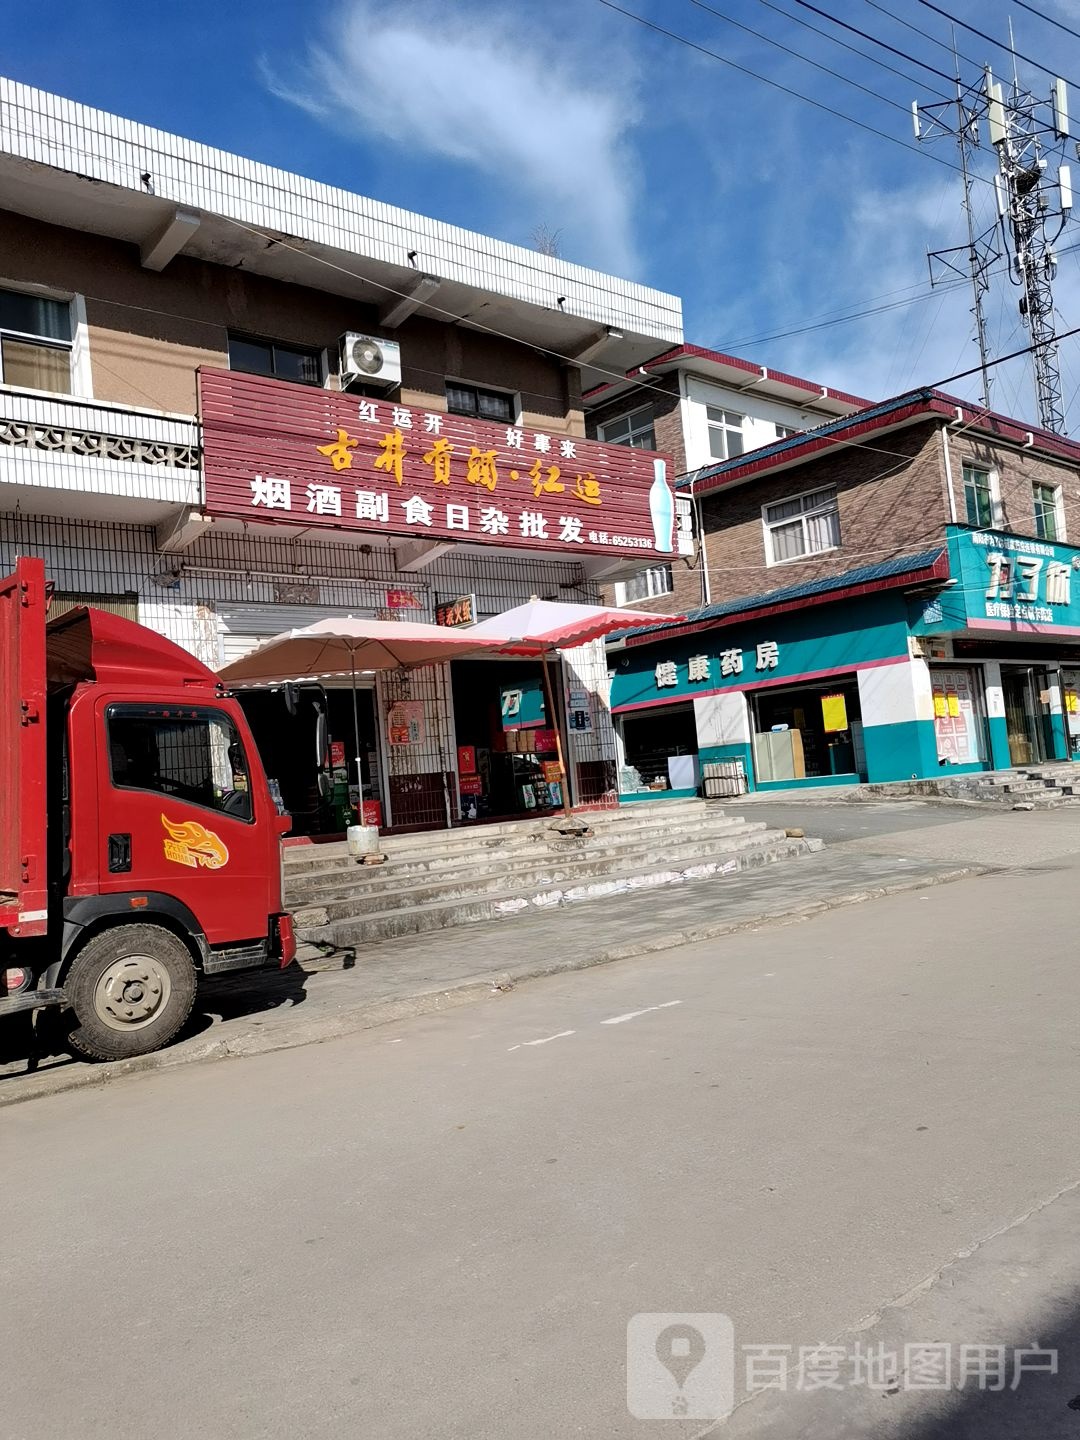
{"type": "Point", "coordinates": [1034, 201]}
{"type": "Point", "coordinates": [1034, 207]}
{"type": "Point", "coordinates": [958, 120]}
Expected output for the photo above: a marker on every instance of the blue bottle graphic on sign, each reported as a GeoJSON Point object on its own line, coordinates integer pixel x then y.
{"type": "Point", "coordinates": [661, 507]}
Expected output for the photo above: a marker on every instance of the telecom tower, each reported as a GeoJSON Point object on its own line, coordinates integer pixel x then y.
{"type": "Point", "coordinates": [1033, 205]}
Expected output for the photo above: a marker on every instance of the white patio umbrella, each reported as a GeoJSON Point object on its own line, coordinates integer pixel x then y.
{"type": "Point", "coordinates": [542, 626]}
{"type": "Point", "coordinates": [348, 647]}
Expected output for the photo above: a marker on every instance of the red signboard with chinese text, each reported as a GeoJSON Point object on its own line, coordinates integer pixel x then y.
{"type": "Point", "coordinates": [279, 453]}
{"type": "Point", "coordinates": [402, 600]}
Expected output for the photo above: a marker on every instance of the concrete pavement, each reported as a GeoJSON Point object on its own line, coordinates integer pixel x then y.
{"type": "Point", "coordinates": [443, 1226]}
{"type": "Point", "coordinates": [386, 980]}
{"type": "Point", "coordinates": [875, 848]}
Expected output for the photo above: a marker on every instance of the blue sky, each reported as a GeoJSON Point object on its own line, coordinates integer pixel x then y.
{"type": "Point", "coordinates": [774, 219]}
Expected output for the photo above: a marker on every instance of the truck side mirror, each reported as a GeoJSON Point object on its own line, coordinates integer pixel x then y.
{"type": "Point", "coordinates": [322, 739]}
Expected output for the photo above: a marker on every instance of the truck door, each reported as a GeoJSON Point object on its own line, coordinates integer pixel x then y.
{"type": "Point", "coordinates": [178, 815]}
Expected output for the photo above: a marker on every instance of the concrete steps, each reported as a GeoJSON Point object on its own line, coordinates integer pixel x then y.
{"type": "Point", "coordinates": [1041, 785]}
{"type": "Point", "coordinates": [447, 878]}
{"type": "Point", "coordinates": [422, 869]}
{"type": "Point", "coordinates": [538, 873]}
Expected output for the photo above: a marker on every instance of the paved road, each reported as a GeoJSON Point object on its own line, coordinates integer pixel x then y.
{"type": "Point", "coordinates": [442, 1227]}
{"type": "Point", "coordinates": [839, 821]}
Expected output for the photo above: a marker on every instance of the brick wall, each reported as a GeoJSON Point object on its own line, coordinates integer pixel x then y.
{"type": "Point", "coordinates": [661, 395]}
{"type": "Point", "coordinates": [1017, 471]}
{"type": "Point", "coordinates": [149, 331]}
{"type": "Point", "coordinates": [893, 499]}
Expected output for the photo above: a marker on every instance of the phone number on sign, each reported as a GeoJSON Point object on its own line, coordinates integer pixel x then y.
{"type": "Point", "coordinates": [629, 542]}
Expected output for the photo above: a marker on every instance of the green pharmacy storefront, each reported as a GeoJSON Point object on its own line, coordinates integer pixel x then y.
{"type": "Point", "coordinates": [1006, 629]}
{"type": "Point", "coordinates": [955, 660]}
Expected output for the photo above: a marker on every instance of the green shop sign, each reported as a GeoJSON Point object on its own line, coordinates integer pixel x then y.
{"type": "Point", "coordinates": [819, 641]}
{"type": "Point", "coordinates": [1009, 583]}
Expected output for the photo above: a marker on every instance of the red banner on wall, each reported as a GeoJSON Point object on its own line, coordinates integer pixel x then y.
{"type": "Point", "coordinates": [278, 453]}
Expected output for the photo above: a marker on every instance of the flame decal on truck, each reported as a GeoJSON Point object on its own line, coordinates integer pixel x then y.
{"type": "Point", "coordinates": [190, 843]}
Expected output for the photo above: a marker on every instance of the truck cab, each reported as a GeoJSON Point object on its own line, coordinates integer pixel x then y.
{"type": "Point", "coordinates": [149, 847]}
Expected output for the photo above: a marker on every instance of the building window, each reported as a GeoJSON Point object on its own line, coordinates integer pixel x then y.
{"type": "Point", "coordinates": [35, 342]}
{"type": "Point", "coordinates": [1049, 522]}
{"type": "Point", "coordinates": [635, 430]}
{"type": "Point", "coordinates": [471, 400]}
{"type": "Point", "coordinates": [804, 525]}
{"type": "Point", "coordinates": [657, 580]}
{"type": "Point", "coordinates": [282, 362]}
{"type": "Point", "coordinates": [725, 433]}
{"type": "Point", "coordinates": [785, 432]}
{"type": "Point", "coordinates": [978, 496]}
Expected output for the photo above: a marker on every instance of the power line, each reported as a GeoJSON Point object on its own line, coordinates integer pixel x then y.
{"type": "Point", "coordinates": [875, 41]}
{"type": "Point", "coordinates": [963, 374]}
{"type": "Point", "coordinates": [836, 74]}
{"type": "Point", "coordinates": [1009, 50]}
{"type": "Point", "coordinates": [923, 35]}
{"type": "Point", "coordinates": [854, 49]}
{"type": "Point", "coordinates": [1049, 19]}
{"type": "Point", "coordinates": [775, 84]}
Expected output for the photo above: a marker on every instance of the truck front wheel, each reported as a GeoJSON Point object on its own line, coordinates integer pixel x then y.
{"type": "Point", "coordinates": [131, 989]}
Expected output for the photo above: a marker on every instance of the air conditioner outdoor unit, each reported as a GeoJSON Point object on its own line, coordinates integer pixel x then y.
{"type": "Point", "coordinates": [369, 360]}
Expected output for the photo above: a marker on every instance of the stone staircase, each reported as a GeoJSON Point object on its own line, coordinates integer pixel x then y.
{"type": "Point", "coordinates": [1044, 786]}
{"type": "Point", "coordinates": [443, 878]}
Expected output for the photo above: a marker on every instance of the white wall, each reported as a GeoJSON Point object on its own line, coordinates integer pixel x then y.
{"type": "Point", "coordinates": [892, 694]}
{"type": "Point", "coordinates": [761, 416]}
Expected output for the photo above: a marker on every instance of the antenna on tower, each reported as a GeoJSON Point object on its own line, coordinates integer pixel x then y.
{"type": "Point", "coordinates": [1038, 202]}
{"type": "Point", "coordinates": [1033, 199]}
{"type": "Point", "coordinates": [959, 120]}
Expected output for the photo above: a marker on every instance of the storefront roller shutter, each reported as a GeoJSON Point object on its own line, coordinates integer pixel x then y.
{"type": "Point", "coordinates": [245, 626]}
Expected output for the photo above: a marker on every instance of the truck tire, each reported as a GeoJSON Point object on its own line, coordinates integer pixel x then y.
{"type": "Point", "coordinates": [131, 988]}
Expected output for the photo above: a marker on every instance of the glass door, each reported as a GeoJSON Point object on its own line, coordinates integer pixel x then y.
{"type": "Point", "coordinates": [1023, 722]}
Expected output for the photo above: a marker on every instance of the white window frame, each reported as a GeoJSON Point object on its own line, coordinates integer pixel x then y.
{"type": "Point", "coordinates": [997, 514]}
{"type": "Point", "coordinates": [786, 432]}
{"type": "Point", "coordinates": [725, 427]}
{"type": "Point", "coordinates": [768, 526]}
{"type": "Point", "coordinates": [637, 426]}
{"type": "Point", "coordinates": [621, 597]}
{"type": "Point", "coordinates": [78, 349]}
{"type": "Point", "coordinates": [1059, 510]}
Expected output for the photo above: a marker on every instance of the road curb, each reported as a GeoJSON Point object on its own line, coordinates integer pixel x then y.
{"type": "Point", "coordinates": [293, 1033]}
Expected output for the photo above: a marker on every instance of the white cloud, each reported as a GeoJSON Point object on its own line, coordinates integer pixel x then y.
{"type": "Point", "coordinates": [493, 91]}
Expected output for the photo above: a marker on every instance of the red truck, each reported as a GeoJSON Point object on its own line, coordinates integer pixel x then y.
{"type": "Point", "coordinates": [139, 844]}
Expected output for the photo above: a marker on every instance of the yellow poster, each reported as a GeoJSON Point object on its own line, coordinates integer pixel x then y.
{"type": "Point", "coordinates": [954, 703]}
{"type": "Point", "coordinates": [941, 706]}
{"type": "Point", "coordinates": [1071, 702]}
{"type": "Point", "coordinates": [834, 713]}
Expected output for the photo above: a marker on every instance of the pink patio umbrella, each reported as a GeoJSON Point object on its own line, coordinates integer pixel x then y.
{"type": "Point", "coordinates": [542, 626]}
{"type": "Point", "coordinates": [347, 647]}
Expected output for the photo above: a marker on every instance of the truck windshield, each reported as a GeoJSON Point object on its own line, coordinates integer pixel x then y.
{"type": "Point", "coordinates": [191, 754]}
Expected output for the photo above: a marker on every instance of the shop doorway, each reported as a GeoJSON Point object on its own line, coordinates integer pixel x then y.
{"type": "Point", "coordinates": [1070, 705]}
{"type": "Point", "coordinates": [1026, 693]}
{"type": "Point", "coordinates": [959, 715]}
{"type": "Point", "coordinates": [660, 750]}
{"type": "Point", "coordinates": [808, 732]}
{"type": "Point", "coordinates": [306, 741]}
{"type": "Point", "coordinates": [507, 746]}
